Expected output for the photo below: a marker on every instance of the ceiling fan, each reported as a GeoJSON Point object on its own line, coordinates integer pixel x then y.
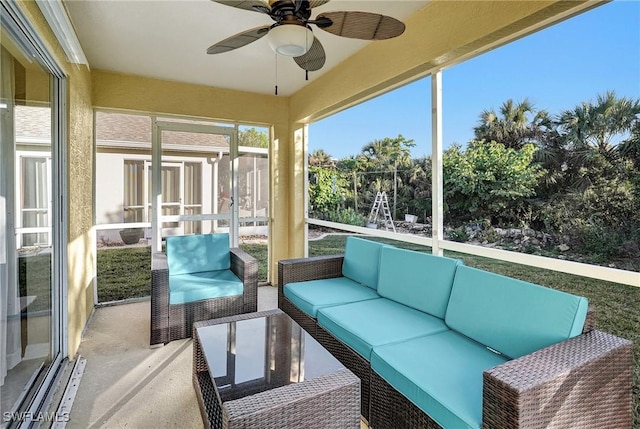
{"type": "Point", "coordinates": [291, 33]}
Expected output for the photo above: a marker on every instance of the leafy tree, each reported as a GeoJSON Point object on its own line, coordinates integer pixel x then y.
{"type": "Point", "coordinates": [253, 138]}
{"type": "Point", "coordinates": [327, 190]}
{"type": "Point", "coordinates": [419, 189]}
{"type": "Point", "coordinates": [351, 167]}
{"type": "Point", "coordinates": [488, 180]}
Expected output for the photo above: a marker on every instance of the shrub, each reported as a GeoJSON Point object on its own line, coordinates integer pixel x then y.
{"type": "Point", "coordinates": [347, 216]}
{"type": "Point", "coordinates": [459, 234]}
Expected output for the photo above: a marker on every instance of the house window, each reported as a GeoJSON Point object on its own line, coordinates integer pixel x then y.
{"type": "Point", "coordinates": [134, 191]}
{"type": "Point", "coordinates": [181, 192]}
{"type": "Point", "coordinates": [35, 209]}
{"type": "Point", "coordinates": [171, 198]}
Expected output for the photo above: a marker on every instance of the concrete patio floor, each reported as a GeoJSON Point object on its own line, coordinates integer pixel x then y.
{"type": "Point", "coordinates": [128, 385]}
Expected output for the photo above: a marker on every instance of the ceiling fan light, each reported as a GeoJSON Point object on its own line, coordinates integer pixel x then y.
{"type": "Point", "coordinates": [290, 40]}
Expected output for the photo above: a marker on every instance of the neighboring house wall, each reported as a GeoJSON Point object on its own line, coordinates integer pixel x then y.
{"type": "Point", "coordinates": [109, 187]}
{"type": "Point", "coordinates": [196, 177]}
{"type": "Point", "coordinates": [111, 184]}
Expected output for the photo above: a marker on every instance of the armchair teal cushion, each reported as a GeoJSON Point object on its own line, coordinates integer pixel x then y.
{"type": "Point", "coordinates": [190, 287]}
{"type": "Point", "coordinates": [198, 253]}
{"type": "Point", "coordinates": [512, 316]}
{"type": "Point", "coordinates": [416, 279]}
{"type": "Point", "coordinates": [361, 260]}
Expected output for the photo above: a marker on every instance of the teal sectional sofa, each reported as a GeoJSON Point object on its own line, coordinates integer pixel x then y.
{"type": "Point", "coordinates": [439, 344]}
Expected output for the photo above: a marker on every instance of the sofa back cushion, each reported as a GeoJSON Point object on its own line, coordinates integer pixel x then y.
{"type": "Point", "coordinates": [198, 253]}
{"type": "Point", "coordinates": [511, 316]}
{"type": "Point", "coordinates": [361, 260]}
{"type": "Point", "coordinates": [416, 279]}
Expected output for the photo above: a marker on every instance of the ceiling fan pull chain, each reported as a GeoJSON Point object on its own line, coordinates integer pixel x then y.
{"type": "Point", "coordinates": [276, 74]}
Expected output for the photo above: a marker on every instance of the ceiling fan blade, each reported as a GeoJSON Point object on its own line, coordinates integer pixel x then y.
{"type": "Point", "coordinates": [314, 58]}
{"type": "Point", "coordinates": [362, 25]}
{"type": "Point", "coordinates": [238, 40]}
{"type": "Point", "coordinates": [317, 3]}
{"type": "Point", "coordinates": [261, 6]}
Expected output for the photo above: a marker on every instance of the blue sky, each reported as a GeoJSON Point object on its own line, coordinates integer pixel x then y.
{"type": "Point", "coordinates": [556, 69]}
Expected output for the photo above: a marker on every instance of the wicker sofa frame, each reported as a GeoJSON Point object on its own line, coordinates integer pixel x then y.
{"type": "Point", "coordinates": [552, 387]}
{"type": "Point", "coordinates": [171, 322]}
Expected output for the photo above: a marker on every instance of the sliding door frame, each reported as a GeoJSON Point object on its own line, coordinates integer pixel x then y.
{"type": "Point", "coordinates": [23, 33]}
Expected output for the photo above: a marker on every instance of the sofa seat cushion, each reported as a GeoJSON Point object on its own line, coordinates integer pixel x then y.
{"type": "Point", "coordinates": [312, 295]}
{"type": "Point", "coordinates": [416, 279]}
{"type": "Point", "coordinates": [511, 316]}
{"type": "Point", "coordinates": [441, 374]}
{"type": "Point", "coordinates": [367, 324]}
{"type": "Point", "coordinates": [192, 287]}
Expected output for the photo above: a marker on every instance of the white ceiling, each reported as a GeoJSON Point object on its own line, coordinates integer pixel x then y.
{"type": "Point", "coordinates": [168, 39]}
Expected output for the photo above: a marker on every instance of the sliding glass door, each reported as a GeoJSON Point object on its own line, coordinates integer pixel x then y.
{"type": "Point", "coordinates": [31, 315]}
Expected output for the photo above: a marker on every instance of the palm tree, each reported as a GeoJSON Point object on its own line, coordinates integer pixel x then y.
{"type": "Point", "coordinates": [515, 125]}
{"type": "Point", "coordinates": [630, 148]}
{"type": "Point", "coordinates": [601, 124]}
{"type": "Point", "coordinates": [388, 154]}
{"type": "Point", "coordinates": [320, 158]}
{"type": "Point", "coordinates": [593, 134]}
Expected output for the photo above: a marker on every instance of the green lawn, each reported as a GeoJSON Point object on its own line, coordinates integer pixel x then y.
{"type": "Point", "coordinates": [34, 279]}
{"type": "Point", "coordinates": [125, 273]}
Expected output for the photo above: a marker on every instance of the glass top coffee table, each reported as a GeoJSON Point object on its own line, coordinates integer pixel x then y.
{"type": "Point", "coordinates": [262, 370]}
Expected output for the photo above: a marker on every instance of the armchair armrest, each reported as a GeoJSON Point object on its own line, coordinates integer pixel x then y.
{"type": "Point", "coordinates": [303, 269]}
{"type": "Point", "coordinates": [245, 267]}
{"type": "Point", "coordinates": [159, 333]}
{"type": "Point", "coordinates": [581, 382]}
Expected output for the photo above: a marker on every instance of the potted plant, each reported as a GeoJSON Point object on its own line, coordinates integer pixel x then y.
{"type": "Point", "coordinates": [131, 235]}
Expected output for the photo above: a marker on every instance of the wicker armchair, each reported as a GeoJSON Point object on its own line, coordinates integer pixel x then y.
{"type": "Point", "coordinates": [175, 321]}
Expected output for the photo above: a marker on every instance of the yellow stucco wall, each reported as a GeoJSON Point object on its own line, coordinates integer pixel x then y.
{"type": "Point", "coordinates": [80, 246]}
{"type": "Point", "coordinates": [123, 91]}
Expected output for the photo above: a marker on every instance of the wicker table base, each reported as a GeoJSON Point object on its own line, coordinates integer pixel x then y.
{"type": "Point", "coordinates": [301, 385]}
